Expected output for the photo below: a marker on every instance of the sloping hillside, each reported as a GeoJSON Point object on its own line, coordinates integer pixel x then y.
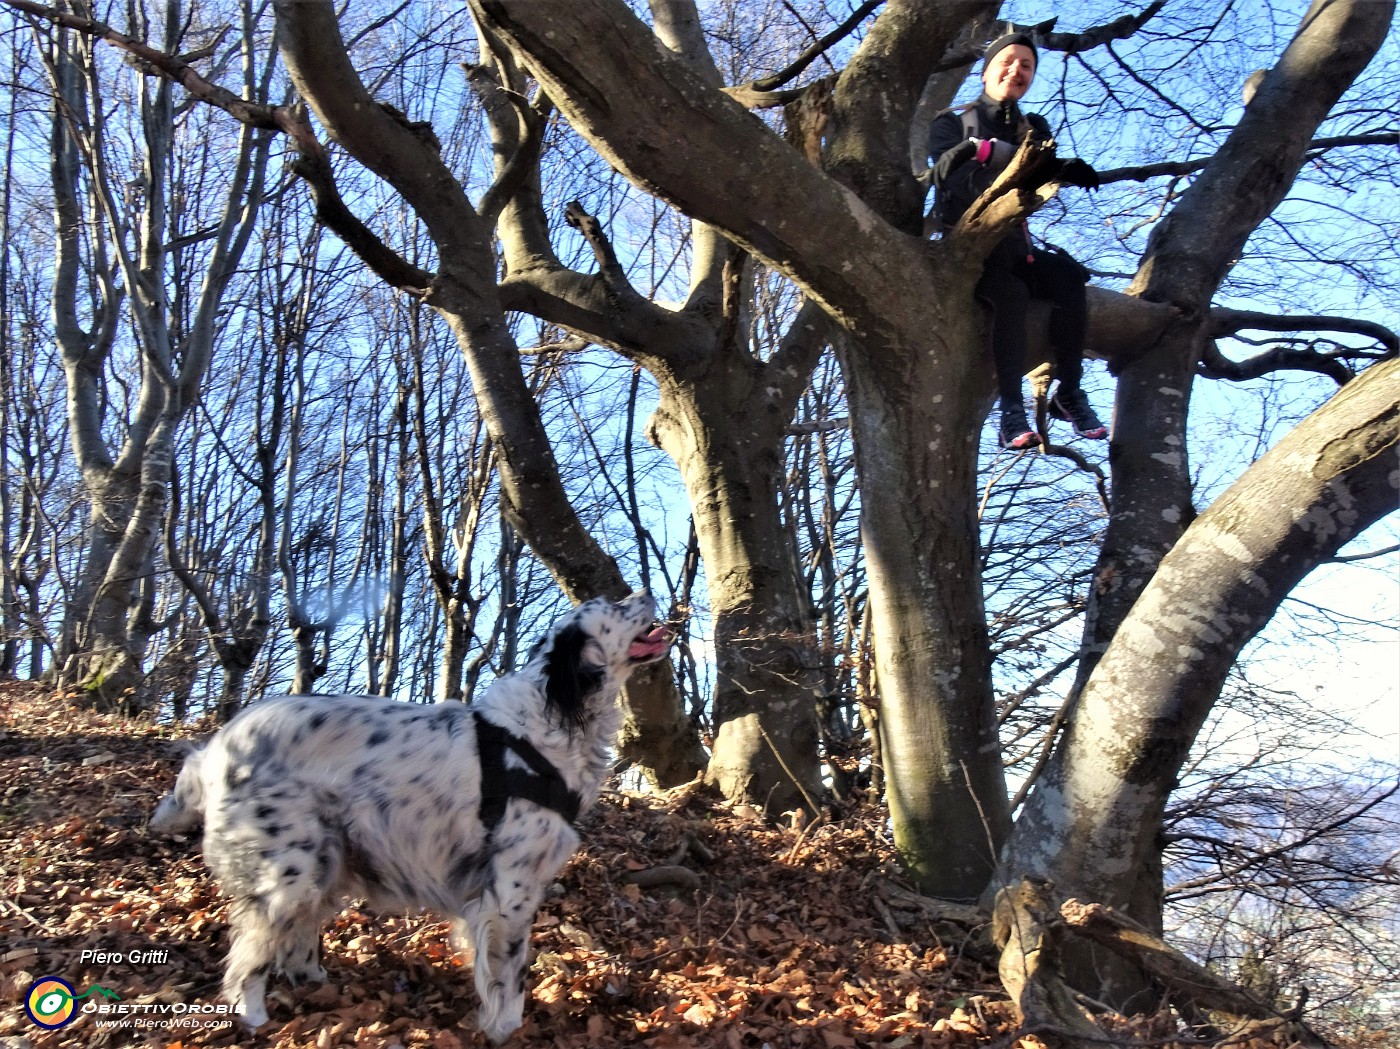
{"type": "Point", "coordinates": [680, 923]}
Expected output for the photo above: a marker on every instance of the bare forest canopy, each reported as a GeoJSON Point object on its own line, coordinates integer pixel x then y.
{"type": "Point", "coordinates": [343, 347]}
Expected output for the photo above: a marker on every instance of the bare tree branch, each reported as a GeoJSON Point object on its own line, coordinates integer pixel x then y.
{"type": "Point", "coordinates": [174, 67]}
{"type": "Point", "coordinates": [802, 61]}
{"type": "Point", "coordinates": [522, 162]}
{"type": "Point", "coordinates": [561, 346]}
{"type": "Point", "coordinates": [1119, 29]}
{"type": "Point", "coordinates": [1260, 857]}
{"type": "Point", "coordinates": [1143, 172]}
{"type": "Point", "coordinates": [1124, 936]}
{"type": "Point", "coordinates": [1017, 192]}
{"type": "Point", "coordinates": [840, 422]}
{"type": "Point", "coordinates": [1226, 321]}
{"type": "Point", "coordinates": [1215, 365]}
{"type": "Point", "coordinates": [314, 168]}
{"type": "Point", "coordinates": [1070, 43]}
{"type": "Point", "coordinates": [1177, 168]}
{"type": "Point", "coordinates": [614, 276]}
{"type": "Point", "coordinates": [1383, 551]}
{"type": "Point", "coordinates": [517, 126]}
{"type": "Point", "coordinates": [790, 368]}
{"type": "Point", "coordinates": [312, 163]}
{"type": "Point", "coordinates": [1285, 355]}
{"type": "Point", "coordinates": [1378, 138]}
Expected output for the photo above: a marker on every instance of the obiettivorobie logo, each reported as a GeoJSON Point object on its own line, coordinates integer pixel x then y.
{"type": "Point", "coordinates": [51, 1001]}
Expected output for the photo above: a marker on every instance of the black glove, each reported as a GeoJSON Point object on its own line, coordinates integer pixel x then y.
{"type": "Point", "coordinates": [1076, 172]}
{"type": "Point", "coordinates": [953, 159]}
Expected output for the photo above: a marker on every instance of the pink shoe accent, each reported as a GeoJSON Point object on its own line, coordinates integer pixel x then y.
{"type": "Point", "coordinates": [1028, 439]}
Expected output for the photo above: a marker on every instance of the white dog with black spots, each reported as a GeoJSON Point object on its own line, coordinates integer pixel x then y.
{"type": "Point", "coordinates": [467, 811]}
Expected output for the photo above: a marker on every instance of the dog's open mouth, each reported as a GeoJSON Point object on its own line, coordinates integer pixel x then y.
{"type": "Point", "coordinates": [650, 644]}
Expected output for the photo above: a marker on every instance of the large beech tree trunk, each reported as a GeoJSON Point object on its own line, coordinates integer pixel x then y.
{"type": "Point", "coordinates": [1188, 256]}
{"type": "Point", "coordinates": [916, 440]}
{"type": "Point", "coordinates": [1091, 824]}
{"type": "Point", "coordinates": [914, 337]}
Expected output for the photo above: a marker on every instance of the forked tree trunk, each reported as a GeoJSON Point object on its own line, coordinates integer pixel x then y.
{"type": "Point", "coordinates": [108, 626]}
{"type": "Point", "coordinates": [1091, 824]}
{"type": "Point", "coordinates": [1188, 256]}
{"type": "Point", "coordinates": [110, 670]}
{"type": "Point", "coordinates": [914, 414]}
{"type": "Point", "coordinates": [722, 417]}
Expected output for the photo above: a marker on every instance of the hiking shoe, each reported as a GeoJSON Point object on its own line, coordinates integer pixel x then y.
{"type": "Point", "coordinates": [1072, 406]}
{"type": "Point", "coordinates": [1016, 432]}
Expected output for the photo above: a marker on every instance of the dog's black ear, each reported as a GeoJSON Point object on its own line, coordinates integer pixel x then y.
{"type": "Point", "coordinates": [568, 680]}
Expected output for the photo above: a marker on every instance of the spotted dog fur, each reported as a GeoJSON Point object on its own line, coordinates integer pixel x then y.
{"type": "Point", "coordinates": [308, 800]}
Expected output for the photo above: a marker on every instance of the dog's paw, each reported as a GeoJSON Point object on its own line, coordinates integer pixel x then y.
{"type": "Point", "coordinates": [500, 1031]}
{"type": "Point", "coordinates": [251, 1014]}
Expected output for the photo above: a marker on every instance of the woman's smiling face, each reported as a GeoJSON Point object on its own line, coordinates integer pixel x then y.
{"type": "Point", "coordinates": [1009, 74]}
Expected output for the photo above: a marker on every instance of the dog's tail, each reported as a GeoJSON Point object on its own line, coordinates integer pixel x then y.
{"type": "Point", "coordinates": [183, 807]}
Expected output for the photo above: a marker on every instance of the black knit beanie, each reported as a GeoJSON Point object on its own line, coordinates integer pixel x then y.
{"type": "Point", "coordinates": [1006, 40]}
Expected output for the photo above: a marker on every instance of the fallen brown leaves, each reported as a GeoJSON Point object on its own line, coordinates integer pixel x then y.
{"type": "Point", "coordinates": [790, 939]}
{"type": "Point", "coordinates": [783, 943]}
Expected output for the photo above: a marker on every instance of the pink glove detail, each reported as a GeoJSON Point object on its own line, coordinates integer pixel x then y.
{"type": "Point", "coordinates": [984, 150]}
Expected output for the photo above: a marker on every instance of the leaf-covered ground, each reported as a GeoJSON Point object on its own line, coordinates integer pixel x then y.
{"type": "Point", "coordinates": [786, 941]}
{"type": "Point", "coordinates": [782, 939]}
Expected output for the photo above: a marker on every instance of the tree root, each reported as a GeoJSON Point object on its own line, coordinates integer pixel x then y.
{"type": "Point", "coordinates": [1028, 929]}
{"type": "Point", "coordinates": [1184, 980]}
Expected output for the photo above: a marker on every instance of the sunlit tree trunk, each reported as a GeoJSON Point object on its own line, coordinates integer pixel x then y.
{"type": "Point", "coordinates": [1091, 825]}
{"type": "Point", "coordinates": [917, 371]}
{"type": "Point", "coordinates": [765, 748]}
{"type": "Point", "coordinates": [12, 611]}
{"type": "Point", "coordinates": [84, 352]}
{"type": "Point", "coordinates": [1189, 254]}
{"type": "Point", "coordinates": [709, 376]}
{"type": "Point", "coordinates": [469, 469]}
{"type": "Point", "coordinates": [914, 415]}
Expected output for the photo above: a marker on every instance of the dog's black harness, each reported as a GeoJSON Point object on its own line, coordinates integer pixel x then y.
{"type": "Point", "coordinates": [540, 783]}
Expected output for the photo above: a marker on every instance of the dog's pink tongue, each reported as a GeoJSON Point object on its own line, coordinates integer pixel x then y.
{"type": "Point", "coordinates": [650, 644]}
